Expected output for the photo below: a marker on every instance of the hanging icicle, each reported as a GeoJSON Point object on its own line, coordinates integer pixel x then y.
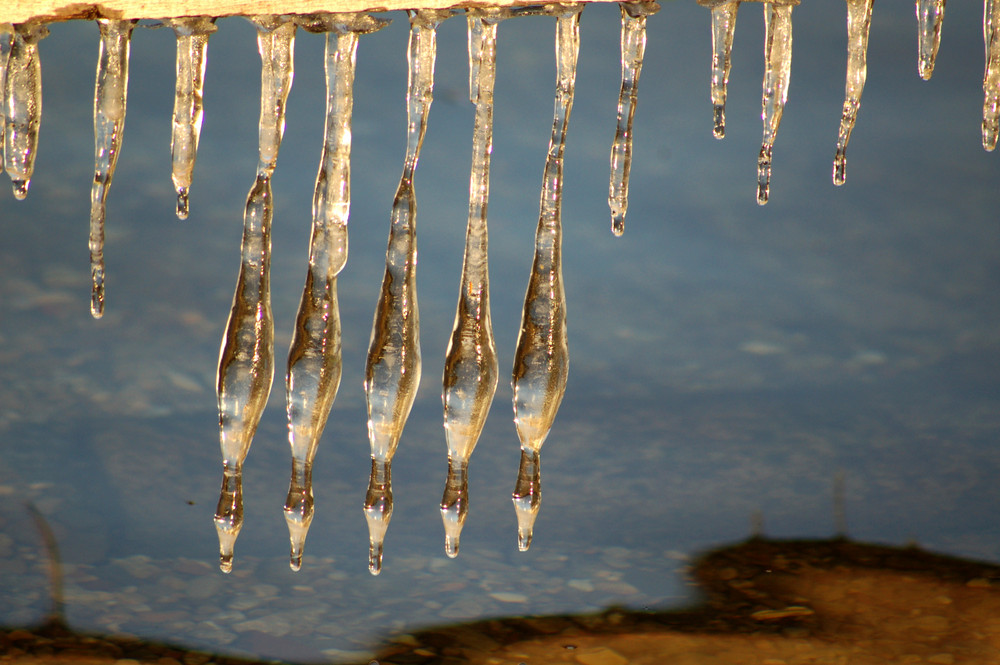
{"type": "Point", "coordinates": [633, 46]}
{"type": "Point", "coordinates": [930, 18]}
{"type": "Point", "coordinates": [991, 78]}
{"type": "Point", "coordinates": [777, 70]}
{"type": "Point", "coordinates": [6, 40]}
{"type": "Point", "coordinates": [314, 363]}
{"type": "Point", "coordinates": [723, 29]}
{"type": "Point", "coordinates": [541, 361]}
{"type": "Point", "coordinates": [192, 47]}
{"type": "Point", "coordinates": [246, 360]}
{"type": "Point", "coordinates": [859, 20]}
{"type": "Point", "coordinates": [22, 100]}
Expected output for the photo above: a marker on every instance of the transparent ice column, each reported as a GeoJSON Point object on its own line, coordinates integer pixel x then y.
{"type": "Point", "coordinates": [246, 360]}
{"type": "Point", "coordinates": [22, 104]}
{"type": "Point", "coordinates": [6, 41]}
{"type": "Point", "coordinates": [991, 78]}
{"type": "Point", "coordinates": [930, 18]}
{"type": "Point", "coordinates": [723, 29]}
{"type": "Point", "coordinates": [859, 20]}
{"type": "Point", "coordinates": [777, 71]}
{"type": "Point", "coordinates": [541, 360]}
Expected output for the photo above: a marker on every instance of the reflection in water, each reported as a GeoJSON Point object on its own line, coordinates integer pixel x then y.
{"type": "Point", "coordinates": [859, 20]}
{"type": "Point", "coordinates": [930, 18]}
{"type": "Point", "coordinates": [723, 29]}
{"type": "Point", "coordinates": [777, 72]}
{"type": "Point", "coordinates": [22, 102]}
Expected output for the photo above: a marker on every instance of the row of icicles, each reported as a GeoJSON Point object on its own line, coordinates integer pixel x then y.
{"type": "Point", "coordinates": [392, 371]}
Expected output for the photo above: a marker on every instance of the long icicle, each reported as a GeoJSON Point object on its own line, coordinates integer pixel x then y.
{"type": "Point", "coordinates": [859, 20]}
{"type": "Point", "coordinates": [392, 371]}
{"type": "Point", "coordinates": [541, 361]}
{"type": "Point", "coordinates": [723, 30]}
{"type": "Point", "coordinates": [110, 96]}
{"type": "Point", "coordinates": [246, 359]}
{"type": "Point", "coordinates": [314, 361]}
{"type": "Point", "coordinates": [470, 367]}
{"type": "Point", "coordinates": [991, 78]}
{"type": "Point", "coordinates": [777, 70]}
{"type": "Point", "coordinates": [6, 41]}
{"type": "Point", "coordinates": [930, 18]}
{"type": "Point", "coordinates": [633, 46]}
{"type": "Point", "coordinates": [192, 48]}
{"type": "Point", "coordinates": [22, 99]}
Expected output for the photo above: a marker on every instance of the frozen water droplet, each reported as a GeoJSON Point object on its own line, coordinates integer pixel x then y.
{"type": "Point", "coordinates": [455, 505]}
{"type": "Point", "coordinates": [859, 20]}
{"type": "Point", "coordinates": [777, 71]}
{"type": "Point", "coordinates": [378, 511]}
{"type": "Point", "coordinates": [527, 496]}
{"type": "Point", "coordinates": [22, 105]}
{"type": "Point", "coordinates": [723, 29]}
{"type": "Point", "coordinates": [991, 79]}
{"type": "Point", "coordinates": [930, 18]}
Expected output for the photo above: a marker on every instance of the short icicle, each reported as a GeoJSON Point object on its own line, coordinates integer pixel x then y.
{"type": "Point", "coordinates": [192, 48]}
{"type": "Point", "coordinates": [22, 105]}
{"type": "Point", "coordinates": [314, 360]}
{"type": "Point", "coordinates": [470, 367]}
{"type": "Point", "coordinates": [392, 371]}
{"type": "Point", "coordinates": [6, 41]}
{"type": "Point", "coordinates": [930, 18]}
{"type": "Point", "coordinates": [541, 361]}
{"type": "Point", "coordinates": [991, 78]}
{"type": "Point", "coordinates": [246, 359]}
{"type": "Point", "coordinates": [723, 30]}
{"type": "Point", "coordinates": [110, 95]}
{"type": "Point", "coordinates": [777, 71]}
{"type": "Point", "coordinates": [859, 20]}
{"type": "Point", "coordinates": [633, 46]}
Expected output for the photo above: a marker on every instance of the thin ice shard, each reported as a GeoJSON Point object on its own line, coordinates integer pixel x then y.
{"type": "Point", "coordinates": [991, 78]}
{"type": "Point", "coordinates": [392, 371]}
{"type": "Point", "coordinates": [22, 101]}
{"type": "Point", "coordinates": [314, 362]}
{"type": "Point", "coordinates": [192, 47]}
{"type": "Point", "coordinates": [541, 361]}
{"type": "Point", "coordinates": [246, 359]}
{"type": "Point", "coordinates": [470, 367]}
{"type": "Point", "coordinates": [6, 40]}
{"type": "Point", "coordinates": [859, 20]}
{"type": "Point", "coordinates": [110, 96]}
{"type": "Point", "coordinates": [723, 30]}
{"type": "Point", "coordinates": [930, 18]}
{"type": "Point", "coordinates": [633, 46]}
{"type": "Point", "coordinates": [777, 71]}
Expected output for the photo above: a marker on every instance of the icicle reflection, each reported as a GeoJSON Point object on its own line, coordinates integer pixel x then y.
{"type": "Point", "coordinates": [470, 367]}
{"type": "Point", "coordinates": [541, 361]}
{"type": "Point", "coordinates": [930, 18]}
{"type": "Point", "coordinates": [633, 46]}
{"type": "Point", "coordinates": [22, 100]}
{"type": "Point", "coordinates": [192, 47]}
{"type": "Point", "coordinates": [859, 20]}
{"type": "Point", "coordinates": [110, 96]}
{"type": "Point", "coordinates": [991, 78]}
{"type": "Point", "coordinates": [777, 70]}
{"type": "Point", "coordinates": [246, 360]}
{"type": "Point", "coordinates": [723, 30]}
{"type": "Point", "coordinates": [314, 364]}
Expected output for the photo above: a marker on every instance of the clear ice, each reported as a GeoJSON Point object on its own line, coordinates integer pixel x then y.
{"type": "Point", "coordinates": [991, 78]}
{"type": "Point", "coordinates": [633, 46]}
{"type": "Point", "coordinates": [192, 47]}
{"type": "Point", "coordinates": [110, 95]}
{"type": "Point", "coordinates": [314, 361]}
{"type": "Point", "coordinates": [723, 30]}
{"type": "Point", "coordinates": [470, 367]}
{"type": "Point", "coordinates": [22, 105]}
{"type": "Point", "coordinates": [777, 71]}
{"type": "Point", "coordinates": [859, 20]}
{"type": "Point", "coordinates": [246, 359]}
{"type": "Point", "coordinates": [541, 361]}
{"type": "Point", "coordinates": [392, 371]}
{"type": "Point", "coordinates": [6, 40]}
{"type": "Point", "coordinates": [930, 17]}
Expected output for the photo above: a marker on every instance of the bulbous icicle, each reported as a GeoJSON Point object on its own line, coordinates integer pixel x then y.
{"type": "Point", "coordinates": [470, 368]}
{"type": "Point", "coordinates": [392, 370]}
{"type": "Point", "coordinates": [6, 41]}
{"type": "Point", "coordinates": [633, 46]}
{"type": "Point", "coordinates": [930, 18]}
{"type": "Point", "coordinates": [723, 31]}
{"type": "Point", "coordinates": [991, 78]}
{"type": "Point", "coordinates": [541, 360]}
{"type": "Point", "coordinates": [22, 105]}
{"type": "Point", "coordinates": [777, 71]}
{"type": "Point", "coordinates": [110, 95]}
{"type": "Point", "coordinates": [859, 20]}
{"type": "Point", "coordinates": [192, 48]}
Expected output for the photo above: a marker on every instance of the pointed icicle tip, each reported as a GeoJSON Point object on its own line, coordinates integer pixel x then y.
{"type": "Point", "coordinates": [719, 128]}
{"type": "Point", "coordinates": [297, 530]}
{"type": "Point", "coordinates": [20, 188]}
{"type": "Point", "coordinates": [840, 168]}
{"type": "Point", "coordinates": [526, 508]}
{"type": "Point", "coordinates": [97, 295]}
{"type": "Point", "coordinates": [182, 203]}
{"type": "Point", "coordinates": [617, 223]}
{"type": "Point", "coordinates": [227, 542]}
{"type": "Point", "coordinates": [375, 558]}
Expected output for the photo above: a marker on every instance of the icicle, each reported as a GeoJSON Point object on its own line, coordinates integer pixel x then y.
{"type": "Point", "coordinates": [6, 40]}
{"type": "Point", "coordinates": [930, 17]}
{"type": "Point", "coordinates": [723, 29]}
{"type": "Point", "coordinates": [470, 369]}
{"type": "Point", "coordinates": [859, 20]}
{"type": "Point", "coordinates": [110, 95]}
{"type": "Point", "coordinates": [192, 46]}
{"type": "Point", "coordinates": [314, 364]}
{"type": "Point", "coordinates": [541, 361]}
{"type": "Point", "coordinates": [22, 99]}
{"type": "Point", "coordinates": [633, 47]}
{"type": "Point", "coordinates": [991, 78]}
{"type": "Point", "coordinates": [246, 359]}
{"type": "Point", "coordinates": [777, 70]}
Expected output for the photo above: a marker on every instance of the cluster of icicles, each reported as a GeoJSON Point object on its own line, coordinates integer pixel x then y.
{"type": "Point", "coordinates": [392, 373]}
